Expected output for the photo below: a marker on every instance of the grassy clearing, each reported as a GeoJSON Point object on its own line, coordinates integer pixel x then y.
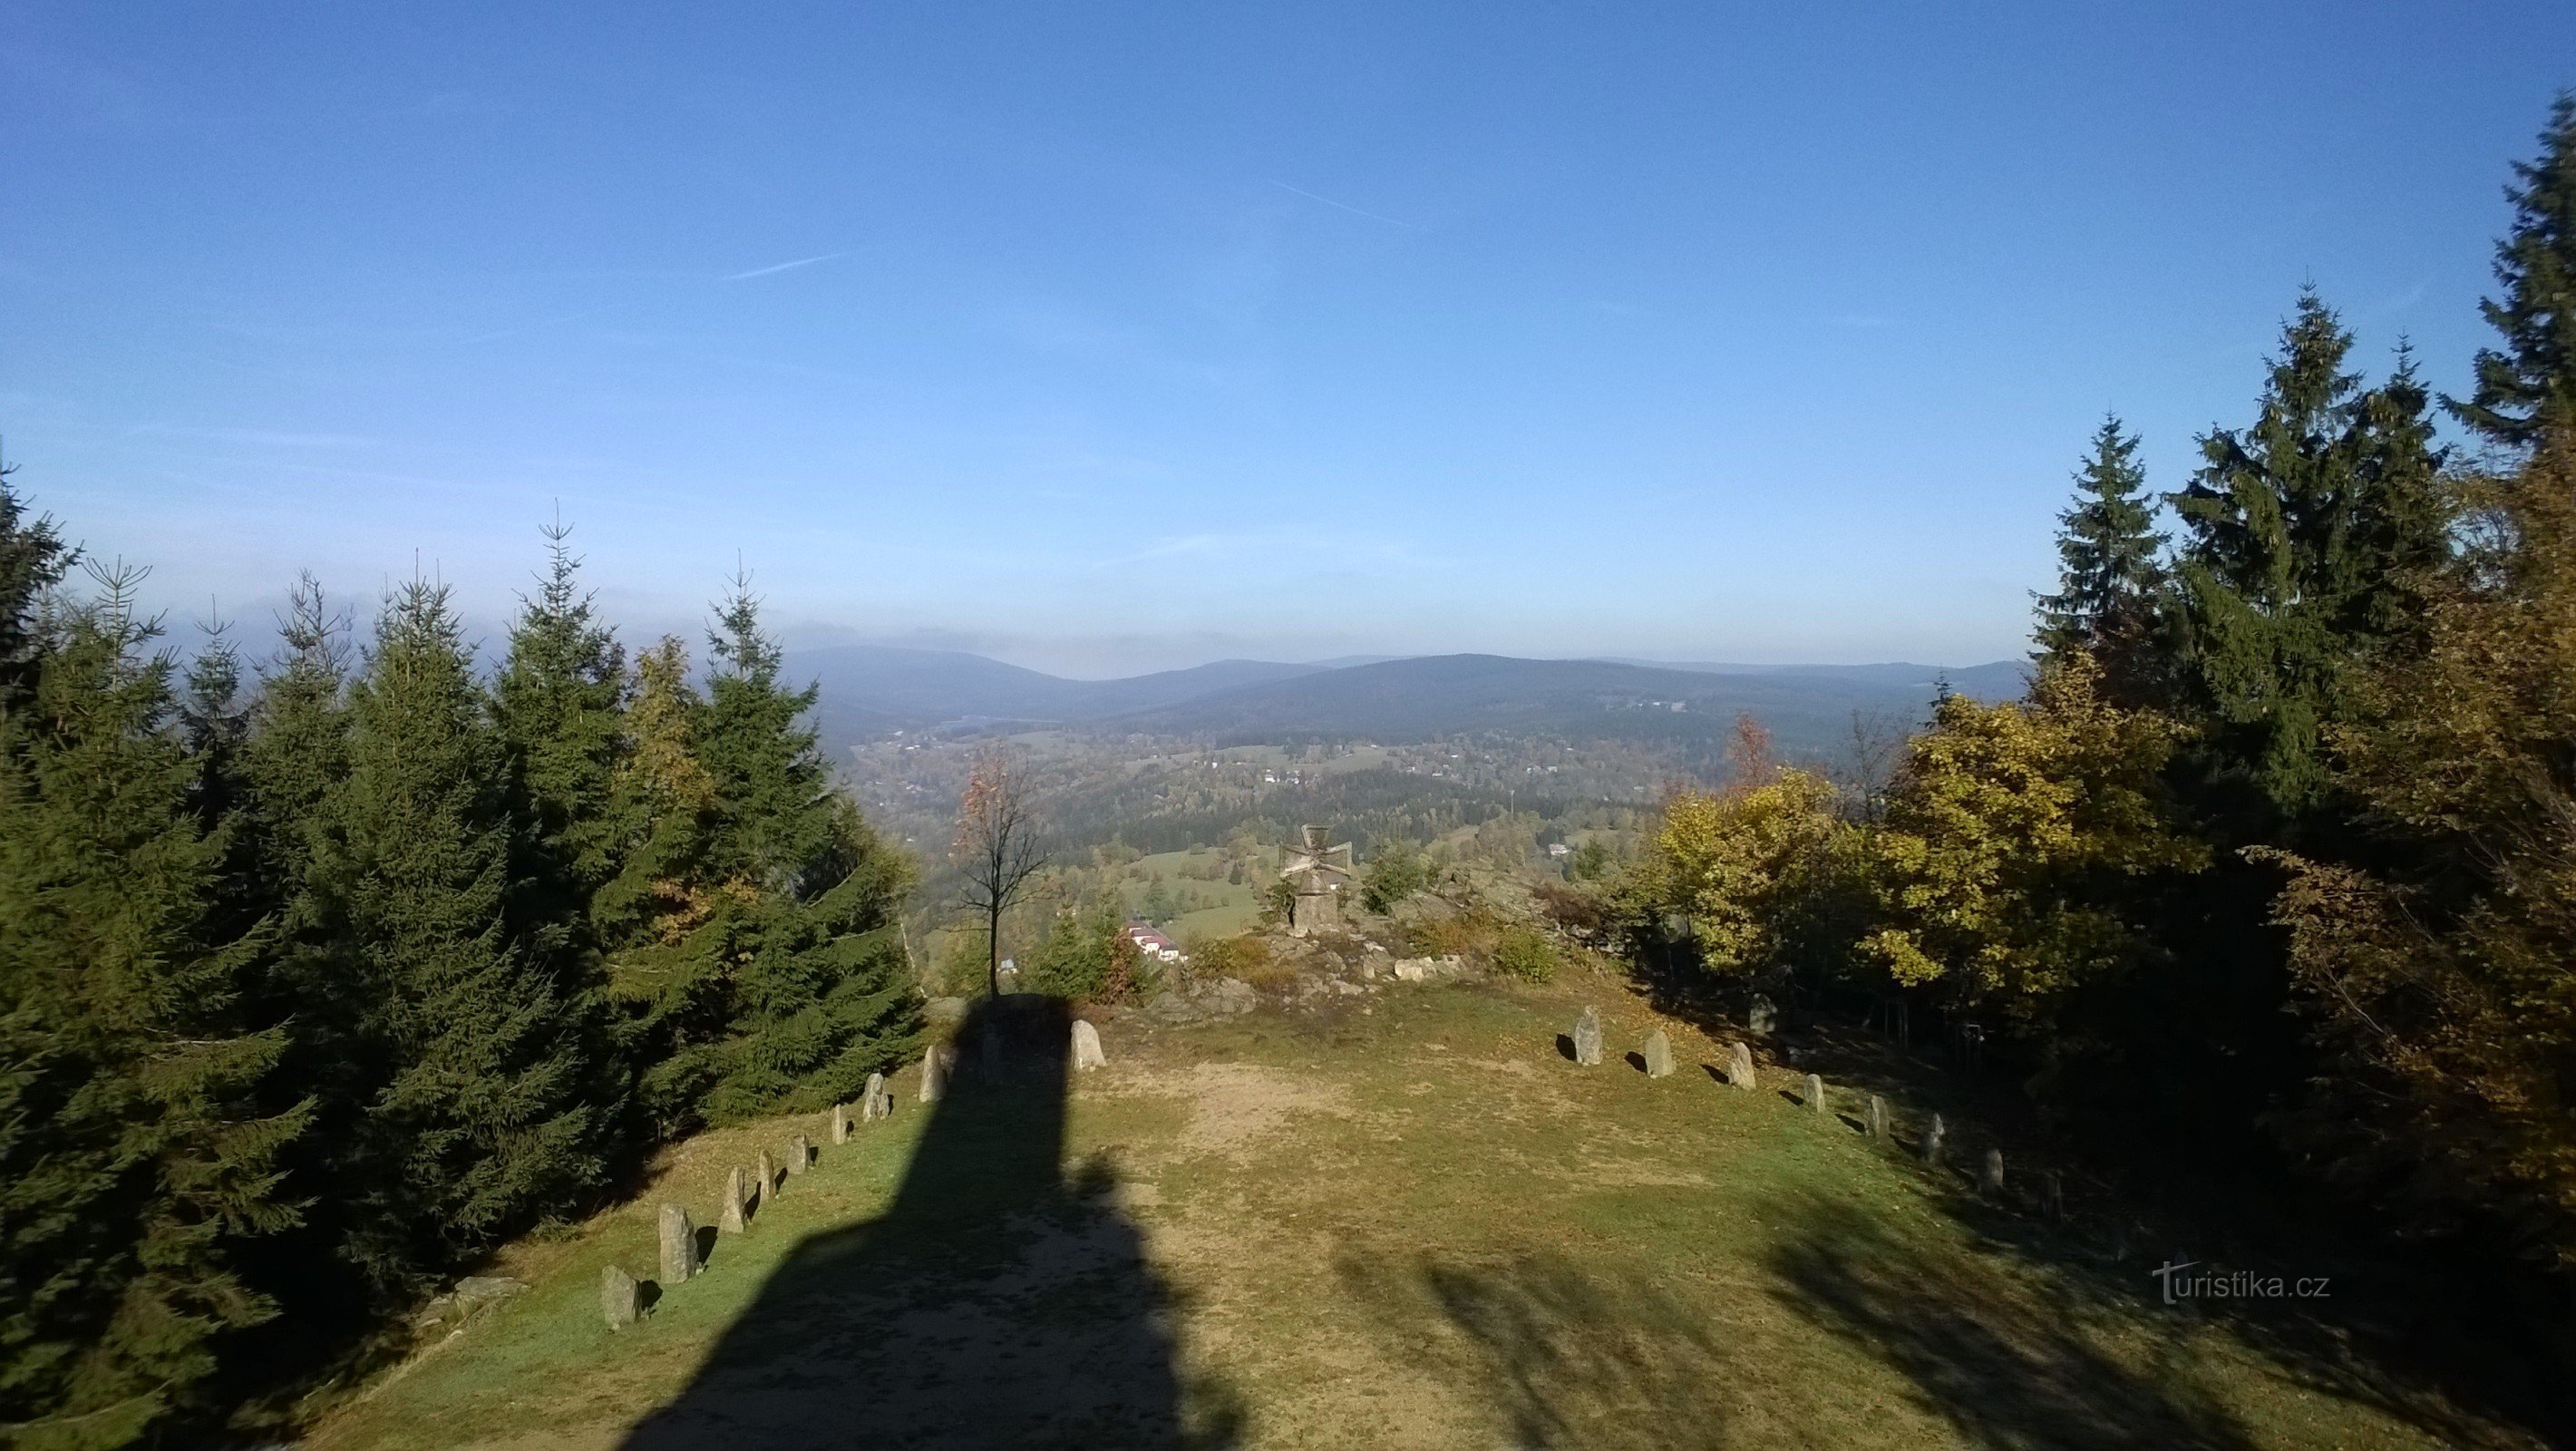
{"type": "Point", "coordinates": [1411, 1223]}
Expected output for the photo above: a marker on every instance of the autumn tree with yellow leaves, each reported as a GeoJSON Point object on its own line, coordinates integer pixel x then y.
{"type": "Point", "coordinates": [1988, 870]}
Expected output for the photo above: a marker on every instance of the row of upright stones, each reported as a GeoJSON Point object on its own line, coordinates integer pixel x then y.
{"type": "Point", "coordinates": [1658, 1056]}
{"type": "Point", "coordinates": [747, 1191]}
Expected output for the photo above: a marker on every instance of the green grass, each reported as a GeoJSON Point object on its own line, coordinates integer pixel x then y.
{"type": "Point", "coordinates": [1233, 907]}
{"type": "Point", "coordinates": [1413, 1225]}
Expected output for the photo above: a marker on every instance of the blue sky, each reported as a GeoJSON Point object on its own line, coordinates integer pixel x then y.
{"type": "Point", "coordinates": [1107, 337]}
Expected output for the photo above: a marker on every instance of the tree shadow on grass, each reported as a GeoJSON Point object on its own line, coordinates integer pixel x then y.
{"type": "Point", "coordinates": [997, 1302]}
{"type": "Point", "coordinates": [1567, 1357]}
{"type": "Point", "coordinates": [2035, 1340]}
{"type": "Point", "coordinates": [2009, 1364]}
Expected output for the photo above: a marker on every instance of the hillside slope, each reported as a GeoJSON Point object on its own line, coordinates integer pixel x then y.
{"type": "Point", "coordinates": [1404, 1221]}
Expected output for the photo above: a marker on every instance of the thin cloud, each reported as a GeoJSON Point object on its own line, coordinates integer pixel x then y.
{"type": "Point", "coordinates": [781, 267]}
{"type": "Point", "coordinates": [1345, 206]}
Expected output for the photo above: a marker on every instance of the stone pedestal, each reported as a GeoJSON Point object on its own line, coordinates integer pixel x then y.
{"type": "Point", "coordinates": [679, 1246]}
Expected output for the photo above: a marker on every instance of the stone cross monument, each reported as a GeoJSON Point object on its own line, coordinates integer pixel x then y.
{"type": "Point", "coordinates": [1318, 872]}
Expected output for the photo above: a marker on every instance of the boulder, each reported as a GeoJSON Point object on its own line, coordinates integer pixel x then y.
{"type": "Point", "coordinates": [1659, 1055]}
{"type": "Point", "coordinates": [1587, 1037]}
{"type": "Point", "coordinates": [1232, 995]}
{"type": "Point", "coordinates": [621, 1300]}
{"type": "Point", "coordinates": [1086, 1047]}
{"type": "Point", "coordinates": [944, 1010]}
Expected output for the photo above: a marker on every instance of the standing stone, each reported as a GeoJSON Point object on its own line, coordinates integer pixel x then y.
{"type": "Point", "coordinates": [934, 1073]}
{"type": "Point", "coordinates": [1587, 1037]}
{"type": "Point", "coordinates": [2052, 1195]}
{"type": "Point", "coordinates": [1877, 1117]}
{"type": "Point", "coordinates": [799, 1154]}
{"type": "Point", "coordinates": [1816, 1094]}
{"type": "Point", "coordinates": [1991, 1183]}
{"type": "Point", "coordinates": [679, 1245]}
{"type": "Point", "coordinates": [768, 1177]}
{"type": "Point", "coordinates": [621, 1300]}
{"type": "Point", "coordinates": [1659, 1055]}
{"type": "Point", "coordinates": [1086, 1046]}
{"type": "Point", "coordinates": [1763, 1016]}
{"type": "Point", "coordinates": [731, 1220]}
{"type": "Point", "coordinates": [1739, 1066]}
{"type": "Point", "coordinates": [878, 1101]}
{"type": "Point", "coordinates": [1933, 1133]}
{"type": "Point", "coordinates": [840, 1123]}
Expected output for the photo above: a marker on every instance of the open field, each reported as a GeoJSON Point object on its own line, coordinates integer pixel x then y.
{"type": "Point", "coordinates": [1409, 1221]}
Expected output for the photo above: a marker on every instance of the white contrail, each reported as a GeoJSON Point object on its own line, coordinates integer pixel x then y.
{"type": "Point", "coordinates": [781, 267]}
{"type": "Point", "coordinates": [1345, 206]}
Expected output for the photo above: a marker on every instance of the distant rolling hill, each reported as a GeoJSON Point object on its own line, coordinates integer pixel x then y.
{"type": "Point", "coordinates": [872, 689]}
{"type": "Point", "coordinates": [1806, 709]}
{"type": "Point", "coordinates": [1995, 680]}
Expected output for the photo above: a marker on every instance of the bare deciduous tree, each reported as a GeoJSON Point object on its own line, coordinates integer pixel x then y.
{"type": "Point", "coordinates": [996, 848]}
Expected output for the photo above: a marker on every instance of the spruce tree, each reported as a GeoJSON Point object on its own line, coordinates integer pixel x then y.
{"type": "Point", "coordinates": [667, 979]}
{"type": "Point", "coordinates": [778, 981]}
{"type": "Point", "coordinates": [292, 759]}
{"type": "Point", "coordinates": [135, 1159]}
{"type": "Point", "coordinates": [472, 1119]}
{"type": "Point", "coordinates": [2528, 386]}
{"type": "Point", "coordinates": [2296, 532]}
{"type": "Point", "coordinates": [33, 558]}
{"type": "Point", "coordinates": [556, 702]}
{"type": "Point", "coordinates": [2110, 584]}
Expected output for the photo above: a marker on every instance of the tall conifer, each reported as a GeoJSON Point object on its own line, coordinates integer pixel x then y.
{"type": "Point", "coordinates": [2529, 385]}
{"type": "Point", "coordinates": [474, 1120]}
{"type": "Point", "coordinates": [556, 702]}
{"type": "Point", "coordinates": [135, 1159]}
{"type": "Point", "coordinates": [788, 987]}
{"type": "Point", "coordinates": [2110, 584]}
{"type": "Point", "coordinates": [33, 558]}
{"type": "Point", "coordinates": [2296, 530]}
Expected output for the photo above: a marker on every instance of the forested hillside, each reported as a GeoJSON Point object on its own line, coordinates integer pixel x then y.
{"type": "Point", "coordinates": [2268, 874]}
{"type": "Point", "coordinates": [325, 973]}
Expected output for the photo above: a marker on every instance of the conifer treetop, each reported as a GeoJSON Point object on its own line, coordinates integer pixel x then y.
{"type": "Point", "coordinates": [2528, 386]}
